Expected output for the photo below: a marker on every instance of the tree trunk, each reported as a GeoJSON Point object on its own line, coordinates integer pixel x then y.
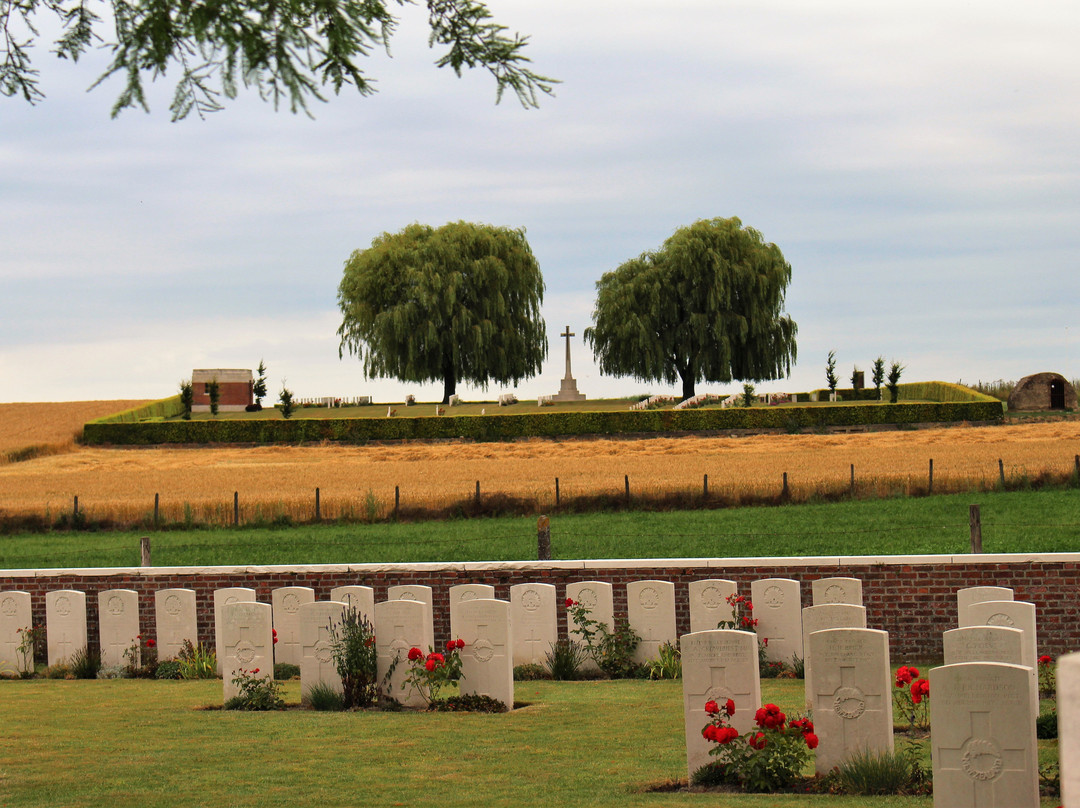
{"type": "Point", "coordinates": [449, 386]}
{"type": "Point", "coordinates": [687, 386]}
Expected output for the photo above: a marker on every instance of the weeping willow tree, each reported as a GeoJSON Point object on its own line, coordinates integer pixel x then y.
{"type": "Point", "coordinates": [456, 303]}
{"type": "Point", "coordinates": [707, 306]}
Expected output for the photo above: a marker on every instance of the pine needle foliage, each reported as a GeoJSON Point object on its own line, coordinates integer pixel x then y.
{"type": "Point", "coordinates": [455, 303]}
{"type": "Point", "coordinates": [706, 306]}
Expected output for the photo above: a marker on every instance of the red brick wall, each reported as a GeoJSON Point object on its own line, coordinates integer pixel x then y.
{"type": "Point", "coordinates": [914, 602]}
{"type": "Point", "coordinates": [231, 394]}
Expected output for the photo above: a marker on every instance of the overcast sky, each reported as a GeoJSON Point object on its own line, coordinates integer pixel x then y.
{"type": "Point", "coordinates": [916, 162]}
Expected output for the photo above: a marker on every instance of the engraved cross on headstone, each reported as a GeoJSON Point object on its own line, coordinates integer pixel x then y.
{"type": "Point", "coordinates": [981, 760]}
{"type": "Point", "coordinates": [849, 702]}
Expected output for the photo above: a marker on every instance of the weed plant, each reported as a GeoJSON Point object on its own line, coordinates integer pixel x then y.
{"type": "Point", "coordinates": [869, 773]}
{"type": "Point", "coordinates": [352, 647]}
{"type": "Point", "coordinates": [323, 697]}
{"type": "Point", "coordinates": [565, 659]}
{"type": "Point", "coordinates": [85, 663]}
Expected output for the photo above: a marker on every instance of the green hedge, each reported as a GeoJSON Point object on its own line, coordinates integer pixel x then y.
{"type": "Point", "coordinates": [540, 424]}
{"type": "Point", "coordinates": [162, 408]}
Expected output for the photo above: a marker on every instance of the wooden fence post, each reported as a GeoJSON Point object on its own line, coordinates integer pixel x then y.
{"type": "Point", "coordinates": [157, 504]}
{"type": "Point", "coordinates": [543, 538]}
{"type": "Point", "coordinates": [852, 485]}
{"type": "Point", "coordinates": [975, 520]}
{"type": "Point", "coordinates": [1001, 472]}
{"type": "Point", "coordinates": [930, 488]}
{"type": "Point", "coordinates": [236, 509]}
{"type": "Point", "coordinates": [785, 493]}
{"type": "Point", "coordinates": [144, 551]}
{"type": "Point", "coordinates": [318, 507]}
{"type": "Point", "coordinates": [705, 487]}
{"type": "Point", "coordinates": [626, 483]}
{"type": "Point", "coordinates": [75, 509]}
{"type": "Point", "coordinates": [397, 499]}
{"type": "Point", "coordinates": [477, 492]}
{"type": "Point", "coordinates": [556, 490]}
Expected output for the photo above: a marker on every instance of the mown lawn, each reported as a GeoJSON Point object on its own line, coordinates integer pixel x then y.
{"type": "Point", "coordinates": [1014, 522]}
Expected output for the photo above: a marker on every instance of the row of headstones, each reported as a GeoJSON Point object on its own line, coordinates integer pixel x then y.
{"type": "Point", "coordinates": [986, 697]}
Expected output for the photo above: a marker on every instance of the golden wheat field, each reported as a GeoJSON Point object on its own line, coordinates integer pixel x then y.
{"type": "Point", "coordinates": [357, 480]}
{"type": "Point", "coordinates": [53, 424]}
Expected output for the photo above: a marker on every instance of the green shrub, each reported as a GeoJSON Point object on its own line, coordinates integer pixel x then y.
{"type": "Point", "coordinates": [256, 693]}
{"type": "Point", "coordinates": [668, 665]}
{"type": "Point", "coordinates": [61, 670]}
{"type": "Point", "coordinates": [283, 671]}
{"type": "Point", "coordinates": [1046, 725]}
{"type": "Point", "coordinates": [471, 703]}
{"type": "Point", "coordinates": [870, 774]}
{"type": "Point", "coordinates": [565, 659]}
{"type": "Point", "coordinates": [169, 669]}
{"type": "Point", "coordinates": [85, 664]}
{"type": "Point", "coordinates": [197, 662]}
{"type": "Point", "coordinates": [352, 646]}
{"type": "Point", "coordinates": [323, 697]}
{"type": "Point", "coordinates": [530, 672]}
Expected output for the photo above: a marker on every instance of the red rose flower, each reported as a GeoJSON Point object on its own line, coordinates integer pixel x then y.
{"type": "Point", "coordinates": [757, 740]}
{"type": "Point", "coordinates": [430, 665]}
{"type": "Point", "coordinates": [749, 606]}
{"type": "Point", "coordinates": [415, 654]}
{"type": "Point", "coordinates": [451, 645]}
{"type": "Point", "coordinates": [150, 643]}
{"type": "Point", "coordinates": [811, 740]}
{"type": "Point", "coordinates": [920, 688]}
{"type": "Point", "coordinates": [727, 735]}
{"type": "Point", "coordinates": [729, 707]}
{"type": "Point", "coordinates": [438, 659]}
{"type": "Point", "coordinates": [1045, 659]}
{"type": "Point", "coordinates": [711, 707]}
{"type": "Point", "coordinates": [275, 635]}
{"type": "Point", "coordinates": [254, 671]}
{"type": "Point", "coordinates": [570, 602]}
{"type": "Point", "coordinates": [460, 643]}
{"type": "Point", "coordinates": [709, 732]}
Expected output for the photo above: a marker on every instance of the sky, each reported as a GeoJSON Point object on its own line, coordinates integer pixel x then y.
{"type": "Point", "coordinates": [916, 162]}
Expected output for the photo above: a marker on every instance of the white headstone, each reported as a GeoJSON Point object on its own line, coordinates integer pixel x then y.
{"type": "Point", "coordinates": [1012, 614]}
{"type": "Point", "coordinates": [459, 593]}
{"type": "Point", "coordinates": [984, 644]}
{"type": "Point", "coordinates": [853, 699]}
{"type": "Point", "coordinates": [176, 620]}
{"type": "Point", "coordinates": [837, 590]}
{"type": "Point", "coordinates": [1068, 705]}
{"type": "Point", "coordinates": [361, 598]}
{"type": "Point", "coordinates": [15, 615]}
{"type": "Point", "coordinates": [317, 665]}
{"type": "Point", "coordinates": [650, 610]}
{"type": "Point", "coordinates": [287, 601]}
{"type": "Point", "coordinates": [416, 592]}
{"type": "Point", "coordinates": [118, 626]}
{"type": "Point", "coordinates": [222, 598]}
{"type": "Point", "coordinates": [399, 626]}
{"type": "Point", "coordinates": [982, 737]}
{"type": "Point", "coordinates": [247, 637]}
{"type": "Point", "coordinates": [778, 610]}
{"type": "Point", "coordinates": [819, 618]}
{"type": "Point", "coordinates": [597, 595]}
{"type": "Point", "coordinates": [65, 619]}
{"type": "Point", "coordinates": [487, 662]}
{"type": "Point", "coordinates": [718, 665]}
{"type": "Point", "coordinates": [534, 618]}
{"type": "Point", "coordinates": [709, 604]}
{"type": "Point", "coordinates": [978, 594]}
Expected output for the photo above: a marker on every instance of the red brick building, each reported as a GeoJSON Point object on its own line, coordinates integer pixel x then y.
{"type": "Point", "coordinates": [234, 389]}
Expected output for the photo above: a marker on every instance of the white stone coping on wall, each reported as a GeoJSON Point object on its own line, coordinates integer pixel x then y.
{"type": "Point", "coordinates": [581, 564]}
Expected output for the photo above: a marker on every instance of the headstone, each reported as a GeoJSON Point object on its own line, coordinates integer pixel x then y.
{"type": "Point", "coordinates": [778, 610]}
{"type": "Point", "coordinates": [222, 598]}
{"type": "Point", "coordinates": [287, 601]}
{"type": "Point", "coordinates": [819, 618]}
{"type": "Point", "coordinates": [461, 593]}
{"type": "Point", "coordinates": [597, 595]}
{"type": "Point", "coordinates": [709, 604]}
{"type": "Point", "coordinates": [317, 665]}
{"type": "Point", "coordinates": [247, 638]}
{"type": "Point", "coordinates": [176, 620]}
{"type": "Point", "coordinates": [982, 737]}
{"type": "Point", "coordinates": [979, 594]}
{"type": "Point", "coordinates": [65, 619]}
{"type": "Point", "coordinates": [15, 614]}
{"type": "Point", "coordinates": [534, 618]}
{"type": "Point", "coordinates": [837, 590]}
{"type": "Point", "coordinates": [361, 598]}
{"type": "Point", "coordinates": [399, 626]}
{"type": "Point", "coordinates": [650, 610]}
{"type": "Point", "coordinates": [1012, 614]}
{"type": "Point", "coordinates": [118, 626]}
{"type": "Point", "coordinates": [487, 662]}
{"type": "Point", "coordinates": [717, 664]}
{"type": "Point", "coordinates": [1068, 706]}
{"type": "Point", "coordinates": [419, 593]}
{"type": "Point", "coordinates": [984, 644]}
{"type": "Point", "coordinates": [852, 694]}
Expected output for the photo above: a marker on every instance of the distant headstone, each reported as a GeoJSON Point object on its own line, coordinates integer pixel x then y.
{"type": "Point", "coordinates": [222, 598]}
{"type": "Point", "coordinates": [247, 637]}
{"type": "Point", "coordinates": [819, 618]}
{"type": "Point", "coordinates": [650, 608]}
{"type": "Point", "coordinates": [597, 595]}
{"type": "Point", "coordinates": [15, 614]}
{"type": "Point", "coordinates": [317, 664]}
{"type": "Point", "coordinates": [487, 662]}
{"type": "Point", "coordinates": [361, 598]}
{"type": "Point", "coordinates": [718, 665]}
{"type": "Point", "coordinates": [709, 604]}
{"type": "Point", "coordinates": [464, 592]}
{"type": "Point", "coordinates": [118, 626]}
{"type": "Point", "coordinates": [852, 694]}
{"type": "Point", "coordinates": [534, 618]}
{"type": "Point", "coordinates": [65, 621]}
{"type": "Point", "coordinates": [980, 594]}
{"type": "Point", "coordinates": [176, 620]}
{"type": "Point", "coordinates": [1012, 614]}
{"type": "Point", "coordinates": [984, 644]}
{"type": "Point", "coordinates": [287, 601]}
{"type": "Point", "coordinates": [1068, 705]}
{"type": "Point", "coordinates": [399, 626]}
{"type": "Point", "coordinates": [415, 592]}
{"type": "Point", "coordinates": [982, 737]}
{"type": "Point", "coordinates": [837, 590]}
{"type": "Point", "coordinates": [778, 610]}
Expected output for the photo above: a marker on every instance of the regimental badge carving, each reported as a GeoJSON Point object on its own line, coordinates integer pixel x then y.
{"type": "Point", "coordinates": [1000, 619]}
{"type": "Point", "coordinates": [483, 650]}
{"type": "Point", "coordinates": [468, 594]}
{"type": "Point", "coordinates": [407, 595]}
{"type": "Point", "coordinates": [774, 597]}
{"type": "Point", "coordinates": [291, 603]}
{"type": "Point", "coordinates": [63, 606]}
{"type": "Point", "coordinates": [849, 702]}
{"type": "Point", "coordinates": [649, 598]}
{"type": "Point", "coordinates": [530, 600]}
{"type": "Point", "coordinates": [8, 607]}
{"type": "Point", "coordinates": [322, 651]}
{"type": "Point", "coordinates": [172, 605]}
{"type": "Point", "coordinates": [834, 593]}
{"type": "Point", "coordinates": [116, 605]}
{"type": "Point", "coordinates": [245, 652]}
{"type": "Point", "coordinates": [980, 759]}
{"type": "Point", "coordinates": [587, 597]}
{"type": "Point", "coordinates": [712, 597]}
{"type": "Point", "coordinates": [231, 599]}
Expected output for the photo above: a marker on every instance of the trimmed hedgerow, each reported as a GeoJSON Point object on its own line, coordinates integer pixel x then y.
{"type": "Point", "coordinates": [539, 424]}
{"type": "Point", "coordinates": [162, 408]}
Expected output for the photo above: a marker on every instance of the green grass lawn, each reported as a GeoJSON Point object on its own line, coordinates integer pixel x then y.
{"type": "Point", "coordinates": [1023, 521]}
{"type": "Point", "coordinates": [145, 743]}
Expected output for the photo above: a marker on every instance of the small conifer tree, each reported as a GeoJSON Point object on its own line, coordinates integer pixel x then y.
{"type": "Point", "coordinates": [258, 388]}
{"type": "Point", "coordinates": [213, 390]}
{"type": "Point", "coordinates": [285, 399]}
{"type": "Point", "coordinates": [187, 396]}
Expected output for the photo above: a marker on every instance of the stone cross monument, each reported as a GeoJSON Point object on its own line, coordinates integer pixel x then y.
{"type": "Point", "coordinates": [568, 389]}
